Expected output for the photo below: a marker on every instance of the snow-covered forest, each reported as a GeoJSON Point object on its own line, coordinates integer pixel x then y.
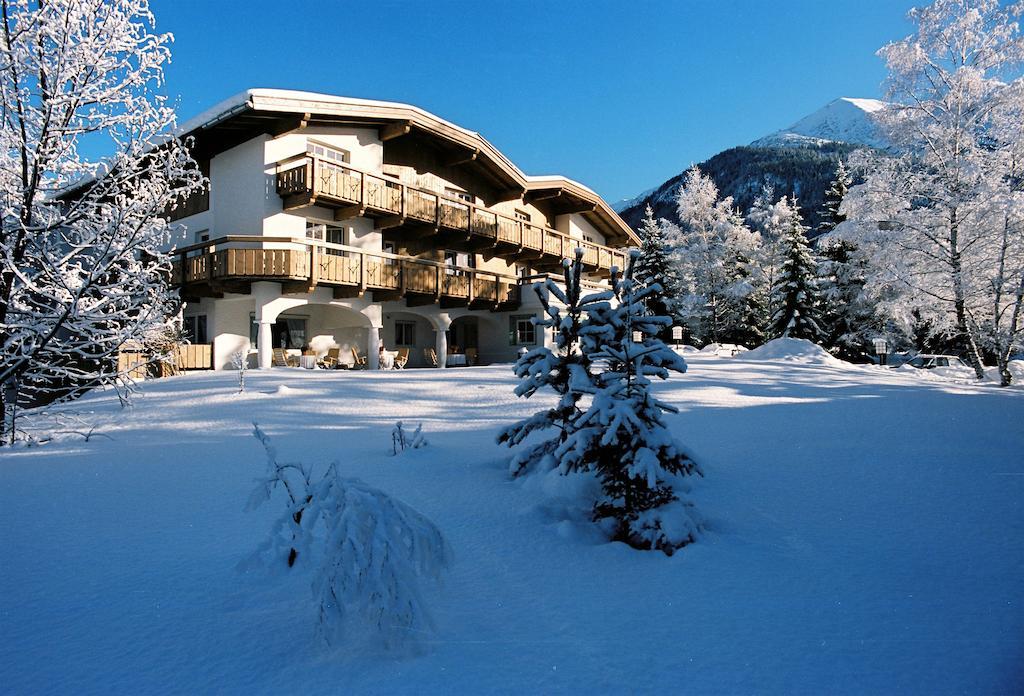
{"type": "Point", "coordinates": [920, 242]}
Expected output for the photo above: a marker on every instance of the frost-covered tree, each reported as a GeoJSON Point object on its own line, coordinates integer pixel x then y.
{"type": "Point", "coordinates": [744, 315]}
{"type": "Point", "coordinates": [655, 265]}
{"type": "Point", "coordinates": [849, 316]}
{"type": "Point", "coordinates": [796, 289]}
{"type": "Point", "coordinates": [932, 215]}
{"type": "Point", "coordinates": [832, 214]}
{"type": "Point", "coordinates": [712, 234]}
{"type": "Point", "coordinates": [621, 435]}
{"type": "Point", "coordinates": [81, 266]}
{"type": "Point", "coordinates": [544, 369]}
{"type": "Point", "coordinates": [240, 361]}
{"type": "Point", "coordinates": [366, 551]}
{"type": "Point", "coordinates": [769, 218]}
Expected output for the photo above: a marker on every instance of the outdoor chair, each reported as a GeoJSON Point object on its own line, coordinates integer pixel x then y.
{"type": "Point", "coordinates": [402, 358]}
{"type": "Point", "coordinates": [332, 360]}
{"type": "Point", "coordinates": [431, 356]}
{"type": "Point", "coordinates": [358, 361]}
{"type": "Point", "coordinates": [471, 356]}
{"type": "Point", "coordinates": [282, 359]}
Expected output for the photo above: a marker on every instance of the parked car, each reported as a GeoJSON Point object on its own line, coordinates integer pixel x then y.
{"type": "Point", "coordinates": [924, 361]}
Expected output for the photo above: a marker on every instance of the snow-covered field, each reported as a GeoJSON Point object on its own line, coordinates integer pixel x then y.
{"type": "Point", "coordinates": [865, 534]}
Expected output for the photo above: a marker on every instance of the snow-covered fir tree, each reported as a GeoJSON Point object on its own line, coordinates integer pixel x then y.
{"type": "Point", "coordinates": [655, 265]}
{"type": "Point", "coordinates": [796, 290]}
{"type": "Point", "coordinates": [849, 316]}
{"type": "Point", "coordinates": [768, 218]}
{"type": "Point", "coordinates": [621, 435]}
{"type": "Point", "coordinates": [544, 369]}
{"type": "Point", "coordinates": [832, 214]}
{"type": "Point", "coordinates": [744, 316]}
{"type": "Point", "coordinates": [82, 270]}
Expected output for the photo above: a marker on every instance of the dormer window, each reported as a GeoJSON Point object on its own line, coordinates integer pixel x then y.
{"type": "Point", "coordinates": [327, 153]}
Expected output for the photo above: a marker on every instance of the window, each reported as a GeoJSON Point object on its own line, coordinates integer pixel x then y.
{"type": "Point", "coordinates": [405, 333]}
{"type": "Point", "coordinates": [389, 248]}
{"type": "Point", "coordinates": [458, 193]}
{"type": "Point", "coordinates": [458, 258]}
{"type": "Point", "coordinates": [522, 331]}
{"type": "Point", "coordinates": [194, 328]}
{"type": "Point", "coordinates": [523, 215]}
{"type": "Point", "coordinates": [332, 234]}
{"type": "Point", "coordinates": [202, 236]}
{"type": "Point", "coordinates": [327, 153]}
{"type": "Point", "coordinates": [588, 238]}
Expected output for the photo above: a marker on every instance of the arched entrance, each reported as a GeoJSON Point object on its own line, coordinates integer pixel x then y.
{"type": "Point", "coordinates": [464, 334]}
{"type": "Point", "coordinates": [299, 325]}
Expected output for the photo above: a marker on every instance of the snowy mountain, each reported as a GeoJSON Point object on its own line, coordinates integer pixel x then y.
{"type": "Point", "coordinates": [845, 120]}
{"type": "Point", "coordinates": [797, 161]}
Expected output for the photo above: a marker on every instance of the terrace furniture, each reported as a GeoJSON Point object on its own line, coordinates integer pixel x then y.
{"type": "Point", "coordinates": [456, 360]}
{"type": "Point", "coordinates": [358, 361]}
{"type": "Point", "coordinates": [431, 356]}
{"type": "Point", "coordinates": [307, 361]}
{"type": "Point", "coordinates": [402, 358]}
{"type": "Point", "coordinates": [332, 360]}
{"type": "Point", "coordinates": [282, 359]}
{"type": "Point", "coordinates": [471, 356]}
{"type": "Point", "coordinates": [387, 359]}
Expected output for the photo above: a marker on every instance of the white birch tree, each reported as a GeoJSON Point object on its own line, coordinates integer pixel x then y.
{"type": "Point", "coordinates": [89, 168]}
{"type": "Point", "coordinates": [936, 213]}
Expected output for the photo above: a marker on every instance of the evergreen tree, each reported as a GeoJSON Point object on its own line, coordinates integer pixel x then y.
{"type": "Point", "coordinates": [830, 215]}
{"type": "Point", "coordinates": [654, 265]}
{"type": "Point", "coordinates": [796, 290]}
{"type": "Point", "coordinates": [621, 435]}
{"type": "Point", "coordinates": [849, 316]}
{"type": "Point", "coordinates": [745, 318]}
{"type": "Point", "coordinates": [542, 368]}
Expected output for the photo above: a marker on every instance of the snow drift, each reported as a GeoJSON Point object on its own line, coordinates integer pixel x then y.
{"type": "Point", "coordinates": [793, 350]}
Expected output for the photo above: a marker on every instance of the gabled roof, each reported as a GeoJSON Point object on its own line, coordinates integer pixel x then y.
{"type": "Point", "coordinates": [278, 111]}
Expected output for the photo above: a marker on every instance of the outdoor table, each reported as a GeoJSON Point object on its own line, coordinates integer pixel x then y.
{"type": "Point", "coordinates": [456, 360]}
{"type": "Point", "coordinates": [307, 361]}
{"type": "Point", "coordinates": [387, 359]}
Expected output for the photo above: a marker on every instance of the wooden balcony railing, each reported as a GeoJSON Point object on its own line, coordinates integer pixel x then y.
{"type": "Point", "coordinates": [311, 179]}
{"type": "Point", "coordinates": [307, 263]}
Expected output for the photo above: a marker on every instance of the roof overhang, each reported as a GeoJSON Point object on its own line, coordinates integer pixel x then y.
{"type": "Point", "coordinates": [275, 112]}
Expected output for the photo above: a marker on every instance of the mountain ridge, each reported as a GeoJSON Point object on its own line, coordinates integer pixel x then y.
{"type": "Point", "coordinates": [798, 161]}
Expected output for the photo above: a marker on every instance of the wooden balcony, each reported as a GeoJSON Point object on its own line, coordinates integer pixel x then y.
{"type": "Point", "coordinates": [230, 264]}
{"type": "Point", "coordinates": [354, 193]}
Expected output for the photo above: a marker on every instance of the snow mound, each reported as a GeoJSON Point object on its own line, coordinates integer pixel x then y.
{"type": "Point", "coordinates": [793, 350]}
{"type": "Point", "coordinates": [725, 350]}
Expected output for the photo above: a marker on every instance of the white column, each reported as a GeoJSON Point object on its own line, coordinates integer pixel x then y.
{"type": "Point", "coordinates": [264, 345]}
{"type": "Point", "coordinates": [373, 348]}
{"type": "Point", "coordinates": [441, 347]}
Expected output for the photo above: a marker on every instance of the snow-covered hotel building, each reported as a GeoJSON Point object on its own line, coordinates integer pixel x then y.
{"type": "Point", "coordinates": [333, 222]}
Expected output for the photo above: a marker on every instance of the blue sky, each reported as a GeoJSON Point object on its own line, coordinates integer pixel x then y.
{"type": "Point", "coordinates": [619, 95]}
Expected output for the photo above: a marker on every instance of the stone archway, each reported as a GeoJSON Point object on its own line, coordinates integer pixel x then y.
{"type": "Point", "coordinates": [318, 324]}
